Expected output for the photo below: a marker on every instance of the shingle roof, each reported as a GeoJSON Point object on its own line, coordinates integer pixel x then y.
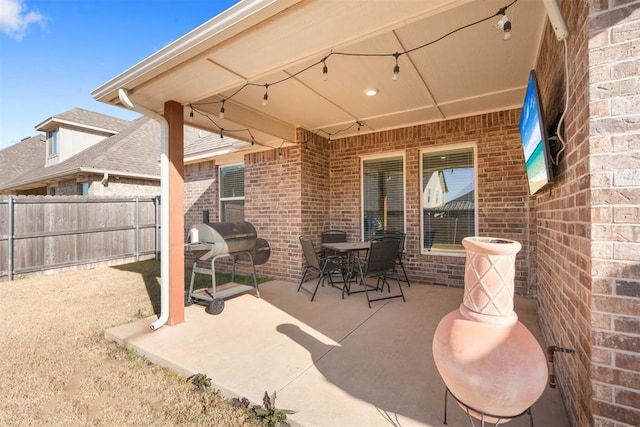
{"type": "Point", "coordinates": [209, 141]}
{"type": "Point", "coordinates": [22, 157]}
{"type": "Point", "coordinates": [86, 118]}
{"type": "Point", "coordinates": [135, 152]}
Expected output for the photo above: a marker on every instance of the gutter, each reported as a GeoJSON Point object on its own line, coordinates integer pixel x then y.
{"type": "Point", "coordinates": [164, 201]}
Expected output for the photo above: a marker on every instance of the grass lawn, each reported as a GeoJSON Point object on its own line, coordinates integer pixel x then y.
{"type": "Point", "coordinates": [57, 368]}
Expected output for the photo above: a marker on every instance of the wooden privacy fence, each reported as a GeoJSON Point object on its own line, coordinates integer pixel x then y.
{"type": "Point", "coordinates": [41, 233]}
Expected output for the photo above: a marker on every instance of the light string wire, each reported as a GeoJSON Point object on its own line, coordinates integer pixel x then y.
{"type": "Point", "coordinates": [359, 123]}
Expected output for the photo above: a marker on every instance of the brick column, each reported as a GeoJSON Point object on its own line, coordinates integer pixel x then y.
{"type": "Point", "coordinates": [614, 209]}
{"type": "Point", "coordinates": [174, 115]}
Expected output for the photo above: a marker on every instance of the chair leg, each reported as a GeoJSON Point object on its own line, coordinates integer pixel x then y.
{"type": "Point", "coordinates": [303, 277]}
{"type": "Point", "coordinates": [404, 272]}
{"type": "Point", "coordinates": [399, 287]}
{"type": "Point", "coordinates": [320, 280]}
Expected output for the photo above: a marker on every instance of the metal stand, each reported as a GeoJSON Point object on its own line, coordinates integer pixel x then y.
{"type": "Point", "coordinates": [483, 415]}
{"type": "Point", "coordinates": [215, 297]}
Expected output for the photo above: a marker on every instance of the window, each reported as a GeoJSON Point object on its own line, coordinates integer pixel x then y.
{"type": "Point", "coordinates": [382, 195]}
{"type": "Point", "coordinates": [448, 198]}
{"type": "Point", "coordinates": [52, 142]}
{"type": "Point", "coordinates": [232, 193]}
{"type": "Point", "coordinates": [83, 188]}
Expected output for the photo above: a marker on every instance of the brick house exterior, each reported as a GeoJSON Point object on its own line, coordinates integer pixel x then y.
{"type": "Point", "coordinates": [580, 255]}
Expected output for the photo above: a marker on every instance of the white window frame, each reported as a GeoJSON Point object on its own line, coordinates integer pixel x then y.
{"type": "Point", "coordinates": [378, 156]}
{"type": "Point", "coordinates": [443, 149]}
{"type": "Point", "coordinates": [227, 199]}
{"type": "Point", "coordinates": [53, 141]}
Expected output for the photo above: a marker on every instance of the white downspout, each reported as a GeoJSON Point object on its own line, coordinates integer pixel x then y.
{"type": "Point", "coordinates": [164, 202]}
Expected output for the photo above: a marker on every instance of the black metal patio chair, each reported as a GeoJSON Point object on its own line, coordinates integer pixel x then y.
{"type": "Point", "coordinates": [332, 236]}
{"type": "Point", "coordinates": [400, 237]}
{"type": "Point", "coordinates": [322, 266]}
{"type": "Point", "coordinates": [380, 263]}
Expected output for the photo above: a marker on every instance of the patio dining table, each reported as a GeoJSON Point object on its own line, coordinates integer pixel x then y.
{"type": "Point", "coordinates": [350, 253]}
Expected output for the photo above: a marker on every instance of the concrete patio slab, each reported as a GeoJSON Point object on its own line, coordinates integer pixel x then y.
{"type": "Point", "coordinates": [336, 362]}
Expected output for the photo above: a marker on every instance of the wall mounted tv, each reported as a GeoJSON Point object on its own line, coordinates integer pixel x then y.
{"type": "Point", "coordinates": [534, 138]}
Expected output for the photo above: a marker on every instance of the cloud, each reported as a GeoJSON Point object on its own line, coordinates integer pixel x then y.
{"type": "Point", "coordinates": [15, 19]}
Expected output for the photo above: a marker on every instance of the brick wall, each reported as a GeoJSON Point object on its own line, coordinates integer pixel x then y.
{"type": "Point", "coordinates": [588, 262]}
{"type": "Point", "coordinates": [124, 187]}
{"type": "Point", "coordinates": [504, 204]}
{"type": "Point", "coordinates": [316, 178]}
{"type": "Point", "coordinates": [614, 168]}
{"type": "Point", "coordinates": [273, 206]}
{"type": "Point", "coordinates": [200, 194]}
{"type": "Point", "coordinates": [117, 187]}
{"type": "Point", "coordinates": [315, 186]}
{"type": "Point", "coordinates": [564, 288]}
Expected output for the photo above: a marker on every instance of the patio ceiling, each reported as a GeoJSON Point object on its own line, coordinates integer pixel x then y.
{"type": "Point", "coordinates": [469, 72]}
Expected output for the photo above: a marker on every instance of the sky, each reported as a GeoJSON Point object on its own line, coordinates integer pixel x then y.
{"type": "Point", "coordinates": [54, 53]}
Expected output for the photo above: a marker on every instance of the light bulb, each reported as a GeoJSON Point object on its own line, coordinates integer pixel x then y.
{"type": "Point", "coordinates": [222, 112]}
{"type": "Point", "coordinates": [265, 99]}
{"type": "Point", "coordinates": [507, 30]}
{"type": "Point", "coordinates": [396, 70]}
{"type": "Point", "coordinates": [325, 73]}
{"type": "Point", "coordinates": [191, 116]}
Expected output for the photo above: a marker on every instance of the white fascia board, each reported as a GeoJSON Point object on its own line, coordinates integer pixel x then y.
{"type": "Point", "coordinates": [42, 125]}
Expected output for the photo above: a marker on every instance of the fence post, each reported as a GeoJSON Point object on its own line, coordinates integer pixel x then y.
{"type": "Point", "coordinates": [10, 237]}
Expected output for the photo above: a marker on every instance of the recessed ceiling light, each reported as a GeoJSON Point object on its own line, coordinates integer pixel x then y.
{"type": "Point", "coordinates": [371, 92]}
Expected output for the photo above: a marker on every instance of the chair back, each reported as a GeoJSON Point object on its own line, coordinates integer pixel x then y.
{"type": "Point", "coordinates": [382, 256]}
{"type": "Point", "coordinates": [309, 253]}
{"type": "Point", "coordinates": [398, 236]}
{"type": "Point", "coordinates": [333, 236]}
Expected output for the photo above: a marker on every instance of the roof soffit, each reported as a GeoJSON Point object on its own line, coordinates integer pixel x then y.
{"type": "Point", "coordinates": [470, 72]}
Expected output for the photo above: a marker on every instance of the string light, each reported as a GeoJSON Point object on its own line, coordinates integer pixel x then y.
{"type": "Point", "coordinates": [503, 24]}
{"type": "Point", "coordinates": [396, 69]}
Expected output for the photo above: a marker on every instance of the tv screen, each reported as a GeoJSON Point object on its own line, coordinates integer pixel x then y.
{"type": "Point", "coordinates": [534, 138]}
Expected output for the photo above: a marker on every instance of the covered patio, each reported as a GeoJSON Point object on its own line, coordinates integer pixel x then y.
{"type": "Point", "coordinates": [282, 82]}
{"type": "Point", "coordinates": [336, 362]}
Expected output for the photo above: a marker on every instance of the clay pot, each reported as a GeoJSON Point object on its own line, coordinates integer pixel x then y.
{"type": "Point", "coordinates": [487, 358]}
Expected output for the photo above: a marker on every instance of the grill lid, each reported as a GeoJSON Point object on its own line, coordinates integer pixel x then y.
{"type": "Point", "coordinates": [224, 238]}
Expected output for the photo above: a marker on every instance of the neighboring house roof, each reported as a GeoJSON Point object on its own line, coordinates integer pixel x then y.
{"type": "Point", "coordinates": [85, 119]}
{"type": "Point", "coordinates": [209, 145]}
{"type": "Point", "coordinates": [22, 157]}
{"type": "Point", "coordinates": [134, 153]}
{"type": "Point", "coordinates": [463, 203]}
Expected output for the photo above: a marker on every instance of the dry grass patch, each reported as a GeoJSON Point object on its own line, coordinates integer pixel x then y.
{"type": "Point", "coordinates": [57, 368]}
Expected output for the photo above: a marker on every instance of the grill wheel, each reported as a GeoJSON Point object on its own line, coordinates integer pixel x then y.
{"type": "Point", "coordinates": [215, 306]}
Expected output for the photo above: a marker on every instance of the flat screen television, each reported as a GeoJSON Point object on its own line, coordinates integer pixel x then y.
{"type": "Point", "coordinates": [535, 143]}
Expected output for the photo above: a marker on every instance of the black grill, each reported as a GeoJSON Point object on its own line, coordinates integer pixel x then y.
{"type": "Point", "coordinates": [238, 240]}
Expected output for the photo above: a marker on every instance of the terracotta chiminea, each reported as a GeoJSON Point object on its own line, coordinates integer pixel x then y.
{"type": "Point", "coordinates": [489, 360]}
